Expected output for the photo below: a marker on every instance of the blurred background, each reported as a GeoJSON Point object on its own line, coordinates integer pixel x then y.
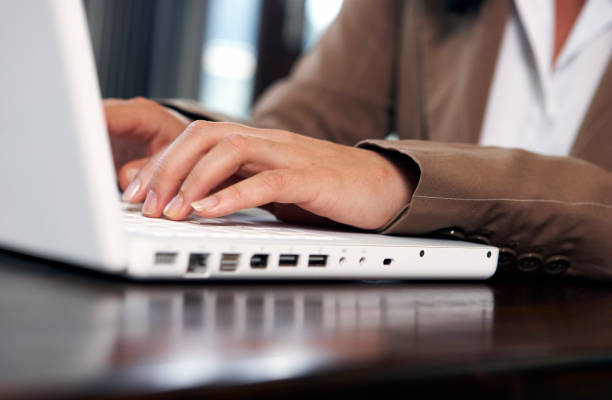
{"type": "Point", "coordinates": [222, 53]}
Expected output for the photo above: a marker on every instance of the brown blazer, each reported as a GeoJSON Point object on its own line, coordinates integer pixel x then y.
{"type": "Point", "coordinates": [422, 71]}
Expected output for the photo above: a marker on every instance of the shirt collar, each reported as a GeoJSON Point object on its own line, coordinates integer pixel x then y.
{"type": "Point", "coordinates": [536, 18]}
{"type": "Point", "coordinates": [594, 20]}
{"type": "Point", "coordinates": [537, 21]}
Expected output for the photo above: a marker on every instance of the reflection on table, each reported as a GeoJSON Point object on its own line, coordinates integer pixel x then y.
{"type": "Point", "coordinates": [65, 332]}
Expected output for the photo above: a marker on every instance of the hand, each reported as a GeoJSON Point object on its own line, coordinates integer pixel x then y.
{"type": "Point", "coordinates": [139, 129]}
{"type": "Point", "coordinates": [348, 185]}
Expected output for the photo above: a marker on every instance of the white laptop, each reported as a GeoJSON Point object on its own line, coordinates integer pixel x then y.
{"type": "Point", "coordinates": [60, 200]}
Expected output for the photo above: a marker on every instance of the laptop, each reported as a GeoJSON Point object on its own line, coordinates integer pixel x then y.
{"type": "Point", "coordinates": [60, 199]}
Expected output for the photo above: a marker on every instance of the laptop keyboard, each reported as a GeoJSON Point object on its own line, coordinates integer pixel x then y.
{"type": "Point", "coordinates": [247, 224]}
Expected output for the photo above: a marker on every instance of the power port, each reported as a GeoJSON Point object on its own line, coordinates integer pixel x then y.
{"type": "Point", "coordinates": [259, 261]}
{"type": "Point", "coordinates": [387, 261]}
{"type": "Point", "coordinates": [198, 263]}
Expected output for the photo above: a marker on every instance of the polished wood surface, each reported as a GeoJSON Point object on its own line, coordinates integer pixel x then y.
{"type": "Point", "coordinates": [65, 333]}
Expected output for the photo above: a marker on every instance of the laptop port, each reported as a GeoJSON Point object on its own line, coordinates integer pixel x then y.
{"type": "Point", "coordinates": [197, 263]}
{"type": "Point", "coordinates": [259, 261]}
{"type": "Point", "coordinates": [229, 262]}
{"type": "Point", "coordinates": [387, 261]}
{"type": "Point", "coordinates": [317, 260]}
{"type": "Point", "coordinates": [165, 258]}
{"type": "Point", "coordinates": [288, 260]}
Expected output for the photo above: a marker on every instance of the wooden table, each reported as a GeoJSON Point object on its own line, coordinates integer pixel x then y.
{"type": "Point", "coordinates": [65, 333]}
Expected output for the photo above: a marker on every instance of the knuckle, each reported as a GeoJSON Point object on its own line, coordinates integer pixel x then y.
{"type": "Point", "coordinates": [140, 100]}
{"type": "Point", "coordinates": [274, 181]}
{"type": "Point", "coordinates": [236, 142]}
{"type": "Point", "coordinates": [198, 126]}
{"type": "Point", "coordinates": [197, 131]}
{"type": "Point", "coordinates": [160, 170]}
{"type": "Point", "coordinates": [224, 125]}
{"type": "Point", "coordinates": [236, 194]}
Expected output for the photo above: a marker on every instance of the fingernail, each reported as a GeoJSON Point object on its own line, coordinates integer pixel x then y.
{"type": "Point", "coordinates": [174, 207]}
{"type": "Point", "coordinates": [131, 190]}
{"type": "Point", "coordinates": [150, 203]}
{"type": "Point", "coordinates": [205, 204]}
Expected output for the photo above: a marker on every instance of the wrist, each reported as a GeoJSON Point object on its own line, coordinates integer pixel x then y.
{"type": "Point", "coordinates": [404, 178]}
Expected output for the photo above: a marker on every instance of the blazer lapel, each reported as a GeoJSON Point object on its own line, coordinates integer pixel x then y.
{"type": "Point", "coordinates": [460, 54]}
{"type": "Point", "coordinates": [594, 140]}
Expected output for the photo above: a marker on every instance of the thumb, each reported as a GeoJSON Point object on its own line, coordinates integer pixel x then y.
{"type": "Point", "coordinates": [141, 119]}
{"type": "Point", "coordinates": [126, 117]}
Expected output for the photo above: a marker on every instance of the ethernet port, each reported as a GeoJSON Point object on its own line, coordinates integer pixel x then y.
{"type": "Point", "coordinates": [198, 263]}
{"type": "Point", "coordinates": [259, 261]}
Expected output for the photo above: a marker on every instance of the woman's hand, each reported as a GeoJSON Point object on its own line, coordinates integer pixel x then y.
{"type": "Point", "coordinates": [139, 130]}
{"type": "Point", "coordinates": [254, 167]}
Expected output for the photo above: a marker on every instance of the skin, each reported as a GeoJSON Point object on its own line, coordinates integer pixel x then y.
{"type": "Point", "coordinates": [566, 14]}
{"type": "Point", "coordinates": [176, 166]}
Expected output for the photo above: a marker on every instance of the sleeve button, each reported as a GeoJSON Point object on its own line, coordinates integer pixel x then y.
{"type": "Point", "coordinates": [557, 265]}
{"type": "Point", "coordinates": [450, 233]}
{"type": "Point", "coordinates": [506, 258]}
{"type": "Point", "coordinates": [476, 238]}
{"type": "Point", "coordinates": [529, 262]}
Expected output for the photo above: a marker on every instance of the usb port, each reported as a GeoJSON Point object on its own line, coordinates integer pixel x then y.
{"type": "Point", "coordinates": [165, 258]}
{"type": "Point", "coordinates": [229, 261]}
{"type": "Point", "coordinates": [288, 260]}
{"type": "Point", "coordinates": [259, 261]}
{"type": "Point", "coordinates": [317, 260]}
{"type": "Point", "coordinates": [197, 263]}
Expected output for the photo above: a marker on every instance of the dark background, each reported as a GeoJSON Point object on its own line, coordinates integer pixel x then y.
{"type": "Point", "coordinates": [154, 48]}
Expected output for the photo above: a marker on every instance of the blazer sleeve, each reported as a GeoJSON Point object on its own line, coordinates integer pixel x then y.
{"type": "Point", "coordinates": [547, 214]}
{"type": "Point", "coordinates": [340, 91]}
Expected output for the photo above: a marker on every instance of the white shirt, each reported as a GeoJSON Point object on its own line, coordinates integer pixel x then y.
{"type": "Point", "coordinates": [533, 104]}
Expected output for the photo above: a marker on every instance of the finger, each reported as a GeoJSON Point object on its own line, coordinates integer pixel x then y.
{"type": "Point", "coordinates": [169, 170]}
{"type": "Point", "coordinates": [280, 186]}
{"type": "Point", "coordinates": [134, 116]}
{"type": "Point", "coordinates": [181, 157]}
{"type": "Point", "coordinates": [111, 100]}
{"type": "Point", "coordinates": [232, 154]}
{"type": "Point", "coordinates": [128, 172]}
{"type": "Point", "coordinates": [137, 189]}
